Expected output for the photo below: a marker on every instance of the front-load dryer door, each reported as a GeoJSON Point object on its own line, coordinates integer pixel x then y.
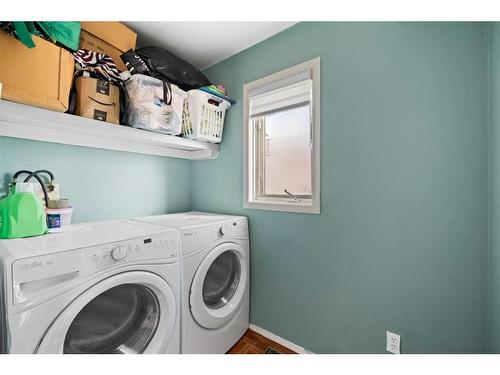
{"type": "Point", "coordinates": [219, 285]}
{"type": "Point", "coordinates": [131, 312]}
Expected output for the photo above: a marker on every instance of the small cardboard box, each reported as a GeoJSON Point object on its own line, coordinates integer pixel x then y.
{"type": "Point", "coordinates": [41, 76]}
{"type": "Point", "coordinates": [97, 99]}
{"type": "Point", "coordinates": [110, 38]}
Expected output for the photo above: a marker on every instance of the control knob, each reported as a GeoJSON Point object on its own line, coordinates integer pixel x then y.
{"type": "Point", "coordinates": [119, 253]}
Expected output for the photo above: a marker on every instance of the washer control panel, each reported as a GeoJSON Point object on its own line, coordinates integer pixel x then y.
{"type": "Point", "coordinates": [40, 274]}
{"type": "Point", "coordinates": [160, 246]}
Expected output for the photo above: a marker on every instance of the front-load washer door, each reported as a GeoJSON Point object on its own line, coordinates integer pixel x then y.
{"type": "Point", "coordinates": [219, 285]}
{"type": "Point", "coordinates": [131, 312]}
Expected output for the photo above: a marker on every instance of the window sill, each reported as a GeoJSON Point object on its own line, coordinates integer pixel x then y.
{"type": "Point", "coordinates": [286, 205]}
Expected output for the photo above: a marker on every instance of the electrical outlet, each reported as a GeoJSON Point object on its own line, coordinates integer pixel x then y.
{"type": "Point", "coordinates": [393, 343]}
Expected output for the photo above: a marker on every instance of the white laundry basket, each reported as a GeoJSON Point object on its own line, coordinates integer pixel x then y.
{"type": "Point", "coordinates": [203, 116]}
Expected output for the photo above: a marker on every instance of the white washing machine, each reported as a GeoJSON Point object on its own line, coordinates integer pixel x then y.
{"type": "Point", "coordinates": [103, 287]}
{"type": "Point", "coordinates": [215, 274]}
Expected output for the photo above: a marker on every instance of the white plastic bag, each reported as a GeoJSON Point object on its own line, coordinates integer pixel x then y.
{"type": "Point", "coordinates": [146, 107]}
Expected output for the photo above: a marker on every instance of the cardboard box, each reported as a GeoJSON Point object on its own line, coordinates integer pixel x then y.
{"type": "Point", "coordinates": [97, 99]}
{"type": "Point", "coordinates": [41, 76]}
{"type": "Point", "coordinates": [110, 38]}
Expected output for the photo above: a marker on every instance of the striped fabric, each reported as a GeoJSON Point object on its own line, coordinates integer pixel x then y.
{"type": "Point", "coordinates": [98, 63]}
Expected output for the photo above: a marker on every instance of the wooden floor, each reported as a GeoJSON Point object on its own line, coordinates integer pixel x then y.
{"type": "Point", "coordinates": [254, 343]}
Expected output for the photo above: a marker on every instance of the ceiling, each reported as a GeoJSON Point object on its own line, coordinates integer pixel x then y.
{"type": "Point", "coordinates": [204, 44]}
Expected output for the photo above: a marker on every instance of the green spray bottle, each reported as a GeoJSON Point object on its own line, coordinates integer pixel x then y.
{"type": "Point", "coordinates": [22, 214]}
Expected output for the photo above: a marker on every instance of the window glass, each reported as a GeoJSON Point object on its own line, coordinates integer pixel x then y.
{"type": "Point", "coordinates": [121, 320]}
{"type": "Point", "coordinates": [287, 153]}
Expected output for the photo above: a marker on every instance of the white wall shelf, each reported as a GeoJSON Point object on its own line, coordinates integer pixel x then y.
{"type": "Point", "coordinates": [23, 121]}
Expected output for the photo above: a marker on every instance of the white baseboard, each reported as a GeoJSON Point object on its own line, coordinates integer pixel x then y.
{"type": "Point", "coordinates": [280, 340]}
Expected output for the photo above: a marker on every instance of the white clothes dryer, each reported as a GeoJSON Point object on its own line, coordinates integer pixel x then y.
{"type": "Point", "coordinates": [103, 287]}
{"type": "Point", "coordinates": [215, 274]}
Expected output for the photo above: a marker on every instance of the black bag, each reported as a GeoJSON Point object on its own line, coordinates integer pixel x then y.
{"type": "Point", "coordinates": [156, 61]}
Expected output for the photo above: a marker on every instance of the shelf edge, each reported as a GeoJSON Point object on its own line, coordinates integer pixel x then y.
{"type": "Point", "coordinates": [26, 122]}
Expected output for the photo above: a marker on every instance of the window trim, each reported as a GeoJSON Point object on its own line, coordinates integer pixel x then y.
{"type": "Point", "coordinates": [312, 206]}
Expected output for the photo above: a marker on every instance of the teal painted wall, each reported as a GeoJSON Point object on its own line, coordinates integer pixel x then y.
{"type": "Point", "coordinates": [402, 240]}
{"type": "Point", "coordinates": [494, 260]}
{"type": "Point", "coordinates": [103, 184]}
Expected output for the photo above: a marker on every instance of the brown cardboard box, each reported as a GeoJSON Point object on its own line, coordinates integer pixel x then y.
{"type": "Point", "coordinates": [97, 99]}
{"type": "Point", "coordinates": [41, 76]}
{"type": "Point", "coordinates": [110, 38]}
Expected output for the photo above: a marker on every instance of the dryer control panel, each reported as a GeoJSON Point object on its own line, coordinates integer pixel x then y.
{"type": "Point", "coordinates": [234, 228]}
{"type": "Point", "coordinates": [196, 238]}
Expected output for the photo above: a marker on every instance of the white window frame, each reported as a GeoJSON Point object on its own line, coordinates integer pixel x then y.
{"type": "Point", "coordinates": [311, 69]}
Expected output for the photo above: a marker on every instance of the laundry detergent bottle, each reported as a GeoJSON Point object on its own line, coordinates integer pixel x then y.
{"type": "Point", "coordinates": [22, 215]}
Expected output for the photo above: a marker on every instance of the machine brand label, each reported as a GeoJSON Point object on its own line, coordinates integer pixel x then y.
{"type": "Point", "coordinates": [30, 266]}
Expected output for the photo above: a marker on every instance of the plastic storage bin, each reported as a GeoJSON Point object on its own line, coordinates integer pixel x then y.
{"type": "Point", "coordinates": [203, 116]}
{"type": "Point", "coordinates": [58, 219]}
{"type": "Point", "coordinates": [146, 110]}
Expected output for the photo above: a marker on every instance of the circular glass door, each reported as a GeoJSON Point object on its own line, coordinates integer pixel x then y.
{"type": "Point", "coordinates": [129, 312]}
{"type": "Point", "coordinates": [123, 319]}
{"type": "Point", "coordinates": [219, 285]}
{"type": "Point", "coordinates": [221, 280]}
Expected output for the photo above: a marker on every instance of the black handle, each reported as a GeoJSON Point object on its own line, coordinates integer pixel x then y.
{"type": "Point", "coordinates": [37, 177]}
{"type": "Point", "coordinates": [51, 175]}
